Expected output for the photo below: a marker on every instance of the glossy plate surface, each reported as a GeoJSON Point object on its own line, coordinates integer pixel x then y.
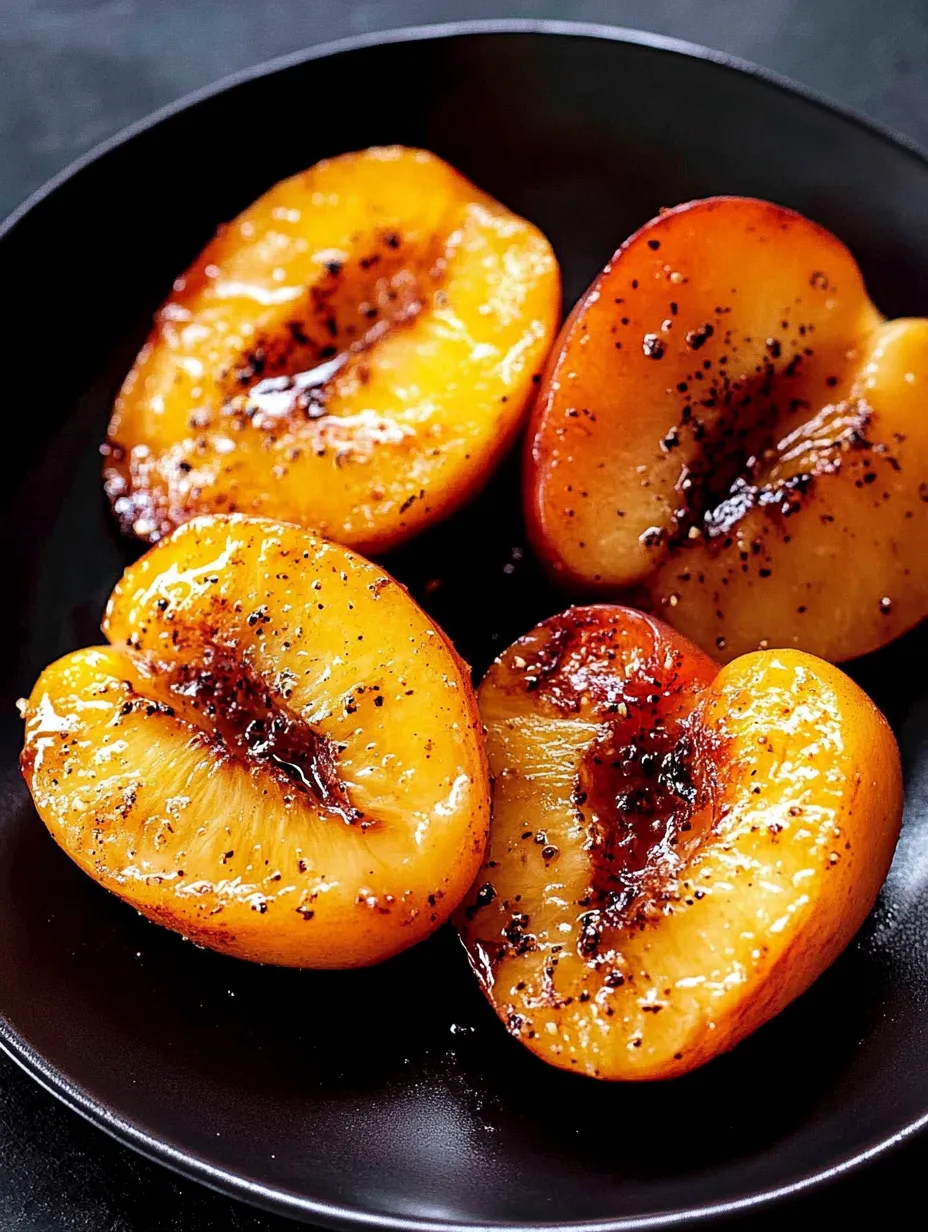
{"type": "Point", "coordinates": [392, 1097]}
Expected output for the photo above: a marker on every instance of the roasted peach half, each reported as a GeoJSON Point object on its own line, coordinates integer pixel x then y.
{"type": "Point", "coordinates": [278, 755]}
{"type": "Point", "coordinates": [731, 431]}
{"type": "Point", "coordinates": [353, 353]}
{"type": "Point", "coordinates": [677, 849]}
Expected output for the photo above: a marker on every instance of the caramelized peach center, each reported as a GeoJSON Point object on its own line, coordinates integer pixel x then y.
{"type": "Point", "coordinates": [244, 720]}
{"type": "Point", "coordinates": [752, 441]}
{"type": "Point", "coordinates": [355, 304]}
{"type": "Point", "coordinates": [643, 786]}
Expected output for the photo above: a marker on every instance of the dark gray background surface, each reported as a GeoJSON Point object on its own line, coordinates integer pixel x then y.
{"type": "Point", "coordinates": [72, 72]}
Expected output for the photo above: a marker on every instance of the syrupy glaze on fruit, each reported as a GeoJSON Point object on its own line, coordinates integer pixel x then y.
{"type": "Point", "coordinates": [577, 661]}
{"type": "Point", "coordinates": [783, 473]}
{"type": "Point", "coordinates": [247, 722]}
{"type": "Point", "coordinates": [639, 797]}
{"type": "Point", "coordinates": [753, 441]}
{"type": "Point", "coordinates": [754, 433]}
{"type": "Point", "coordinates": [709, 861]}
{"type": "Point", "coordinates": [645, 785]}
{"type": "Point", "coordinates": [583, 662]}
{"type": "Point", "coordinates": [353, 306]}
{"type": "Point", "coordinates": [307, 366]}
{"type": "Point", "coordinates": [725, 417]}
{"type": "Point", "coordinates": [286, 379]}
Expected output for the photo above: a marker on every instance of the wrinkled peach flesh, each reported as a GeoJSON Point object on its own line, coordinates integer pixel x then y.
{"type": "Point", "coordinates": [726, 422]}
{"type": "Point", "coordinates": [677, 851]}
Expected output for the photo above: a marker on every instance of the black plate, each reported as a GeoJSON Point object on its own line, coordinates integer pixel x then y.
{"type": "Point", "coordinates": [392, 1097]}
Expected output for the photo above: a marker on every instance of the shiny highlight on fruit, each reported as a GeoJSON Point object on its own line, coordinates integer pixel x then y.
{"type": "Point", "coordinates": [277, 755]}
{"type": "Point", "coordinates": [677, 850]}
{"type": "Point", "coordinates": [731, 434]}
{"type": "Point", "coordinates": [354, 353]}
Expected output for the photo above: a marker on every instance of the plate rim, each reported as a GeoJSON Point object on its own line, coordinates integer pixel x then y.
{"type": "Point", "coordinates": [187, 1163]}
{"type": "Point", "coordinates": [453, 29]}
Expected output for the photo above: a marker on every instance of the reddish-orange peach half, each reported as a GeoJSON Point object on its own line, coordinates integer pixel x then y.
{"type": "Point", "coordinates": [730, 432]}
{"type": "Point", "coordinates": [353, 353]}
{"type": "Point", "coordinates": [677, 849]}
